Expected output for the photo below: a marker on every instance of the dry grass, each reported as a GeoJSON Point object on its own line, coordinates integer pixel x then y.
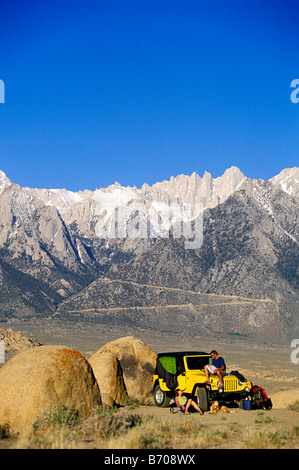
{"type": "Point", "coordinates": [271, 439]}
{"type": "Point", "coordinates": [124, 429]}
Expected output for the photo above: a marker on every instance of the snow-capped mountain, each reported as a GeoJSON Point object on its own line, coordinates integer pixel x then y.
{"type": "Point", "coordinates": [108, 213]}
{"type": "Point", "coordinates": [178, 190]}
{"type": "Point", "coordinates": [54, 242]}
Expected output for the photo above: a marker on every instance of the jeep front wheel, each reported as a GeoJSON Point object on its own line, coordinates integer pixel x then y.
{"type": "Point", "coordinates": [160, 397]}
{"type": "Point", "coordinates": [202, 398]}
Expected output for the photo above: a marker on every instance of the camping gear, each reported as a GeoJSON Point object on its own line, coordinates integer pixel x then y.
{"type": "Point", "coordinates": [260, 399]}
{"type": "Point", "coordinates": [247, 404]}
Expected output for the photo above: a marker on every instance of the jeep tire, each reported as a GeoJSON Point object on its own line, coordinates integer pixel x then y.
{"type": "Point", "coordinates": [202, 398]}
{"type": "Point", "coordinates": [160, 397]}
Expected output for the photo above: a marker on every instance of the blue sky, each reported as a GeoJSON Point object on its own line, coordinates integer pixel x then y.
{"type": "Point", "coordinates": [138, 91]}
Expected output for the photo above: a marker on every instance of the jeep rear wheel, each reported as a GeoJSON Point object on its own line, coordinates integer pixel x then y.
{"type": "Point", "coordinates": [160, 397]}
{"type": "Point", "coordinates": [202, 398]}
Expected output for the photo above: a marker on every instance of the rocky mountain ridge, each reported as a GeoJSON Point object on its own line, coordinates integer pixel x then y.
{"type": "Point", "coordinates": [57, 255]}
{"type": "Point", "coordinates": [16, 341]}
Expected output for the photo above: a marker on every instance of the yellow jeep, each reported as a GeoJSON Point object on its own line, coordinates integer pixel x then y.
{"type": "Point", "coordinates": [185, 371]}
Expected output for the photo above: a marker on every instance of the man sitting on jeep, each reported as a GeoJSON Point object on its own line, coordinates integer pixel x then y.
{"type": "Point", "coordinates": [218, 367]}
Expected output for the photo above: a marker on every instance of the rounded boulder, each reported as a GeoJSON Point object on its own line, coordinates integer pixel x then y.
{"type": "Point", "coordinates": [108, 372]}
{"type": "Point", "coordinates": [44, 379]}
{"type": "Point", "coordinates": [138, 363]}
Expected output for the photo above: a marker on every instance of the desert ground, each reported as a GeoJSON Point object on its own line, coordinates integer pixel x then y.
{"type": "Point", "coordinates": [267, 365]}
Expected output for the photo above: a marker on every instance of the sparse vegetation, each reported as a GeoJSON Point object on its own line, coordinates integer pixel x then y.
{"type": "Point", "coordinates": [119, 428]}
{"type": "Point", "coordinates": [294, 406]}
{"type": "Point", "coordinates": [63, 417]}
{"type": "Point", "coordinates": [268, 439]}
{"type": "Point", "coordinates": [4, 431]}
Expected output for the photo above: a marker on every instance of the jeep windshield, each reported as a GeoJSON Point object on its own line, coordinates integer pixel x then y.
{"type": "Point", "coordinates": [196, 362]}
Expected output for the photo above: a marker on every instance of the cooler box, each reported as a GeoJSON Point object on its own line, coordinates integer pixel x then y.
{"type": "Point", "coordinates": [247, 405]}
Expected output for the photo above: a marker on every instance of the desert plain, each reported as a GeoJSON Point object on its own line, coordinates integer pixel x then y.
{"type": "Point", "coordinates": [270, 366]}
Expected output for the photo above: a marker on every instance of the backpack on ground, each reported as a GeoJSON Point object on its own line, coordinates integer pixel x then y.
{"type": "Point", "coordinates": [260, 399]}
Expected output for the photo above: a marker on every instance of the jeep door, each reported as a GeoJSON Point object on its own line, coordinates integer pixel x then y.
{"type": "Point", "coordinates": [182, 374]}
{"type": "Point", "coordinates": [182, 381]}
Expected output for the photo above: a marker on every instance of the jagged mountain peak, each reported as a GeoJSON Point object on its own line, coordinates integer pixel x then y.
{"type": "Point", "coordinates": [86, 208]}
{"type": "Point", "coordinates": [288, 181]}
{"type": "Point", "coordinates": [4, 181]}
{"type": "Point", "coordinates": [286, 178]}
{"type": "Point", "coordinates": [206, 190]}
{"type": "Point", "coordinates": [233, 172]}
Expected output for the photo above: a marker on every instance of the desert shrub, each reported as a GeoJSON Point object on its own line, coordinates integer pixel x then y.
{"type": "Point", "coordinates": [4, 431]}
{"type": "Point", "coordinates": [131, 402]}
{"type": "Point", "coordinates": [60, 417]}
{"type": "Point", "coordinates": [294, 406]}
{"type": "Point", "coordinates": [107, 423]}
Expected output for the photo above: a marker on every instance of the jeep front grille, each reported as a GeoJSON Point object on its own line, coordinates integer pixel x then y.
{"type": "Point", "coordinates": [230, 384]}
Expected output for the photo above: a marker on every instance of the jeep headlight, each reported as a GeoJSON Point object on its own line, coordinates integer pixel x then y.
{"type": "Point", "coordinates": [220, 389]}
{"type": "Point", "coordinates": [246, 389]}
{"type": "Point", "coordinates": [240, 383]}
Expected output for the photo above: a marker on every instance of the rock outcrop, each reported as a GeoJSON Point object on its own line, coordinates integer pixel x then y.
{"type": "Point", "coordinates": [16, 341]}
